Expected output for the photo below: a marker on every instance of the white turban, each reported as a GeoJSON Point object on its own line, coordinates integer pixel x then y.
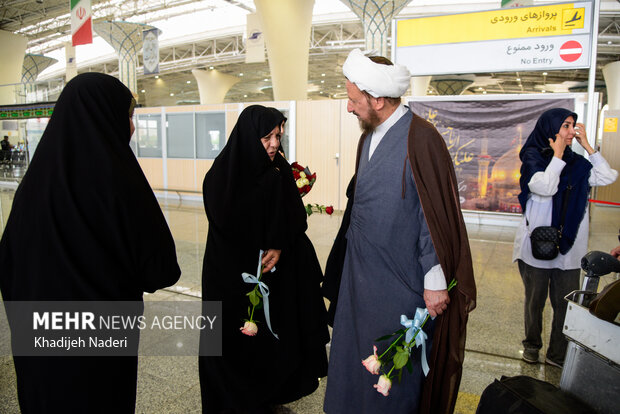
{"type": "Point", "coordinates": [377, 79]}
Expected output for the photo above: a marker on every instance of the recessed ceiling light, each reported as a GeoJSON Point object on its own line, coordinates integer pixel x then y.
{"type": "Point", "coordinates": [518, 79]}
{"type": "Point", "coordinates": [245, 96]}
{"type": "Point", "coordinates": [266, 80]}
{"type": "Point", "coordinates": [609, 42]}
{"type": "Point", "coordinates": [322, 81]}
{"type": "Point", "coordinates": [544, 73]}
{"type": "Point", "coordinates": [171, 94]}
{"type": "Point", "coordinates": [480, 88]}
{"type": "Point", "coordinates": [321, 92]}
{"type": "Point", "coordinates": [142, 91]}
{"type": "Point", "coordinates": [337, 86]}
{"type": "Point", "coordinates": [211, 67]}
{"type": "Point", "coordinates": [322, 74]}
{"type": "Point", "coordinates": [484, 92]}
{"type": "Point", "coordinates": [189, 82]}
{"type": "Point", "coordinates": [156, 76]}
{"type": "Point", "coordinates": [241, 74]}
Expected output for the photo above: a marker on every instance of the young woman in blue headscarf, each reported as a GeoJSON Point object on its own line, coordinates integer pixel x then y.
{"type": "Point", "coordinates": [551, 172]}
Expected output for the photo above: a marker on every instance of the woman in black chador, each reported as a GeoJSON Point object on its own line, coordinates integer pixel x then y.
{"type": "Point", "coordinates": [84, 226]}
{"type": "Point", "coordinates": [253, 204]}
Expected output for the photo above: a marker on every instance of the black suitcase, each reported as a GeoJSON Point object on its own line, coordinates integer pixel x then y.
{"type": "Point", "coordinates": [527, 395]}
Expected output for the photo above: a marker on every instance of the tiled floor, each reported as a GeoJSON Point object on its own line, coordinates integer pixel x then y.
{"type": "Point", "coordinates": [170, 384]}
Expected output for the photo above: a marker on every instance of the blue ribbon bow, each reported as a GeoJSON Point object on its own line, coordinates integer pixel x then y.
{"type": "Point", "coordinates": [264, 290]}
{"type": "Point", "coordinates": [414, 331]}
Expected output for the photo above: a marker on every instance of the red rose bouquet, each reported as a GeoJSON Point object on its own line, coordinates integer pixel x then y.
{"type": "Point", "coordinates": [303, 178]}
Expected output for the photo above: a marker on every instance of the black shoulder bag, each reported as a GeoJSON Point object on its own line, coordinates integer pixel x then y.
{"type": "Point", "coordinates": [546, 239]}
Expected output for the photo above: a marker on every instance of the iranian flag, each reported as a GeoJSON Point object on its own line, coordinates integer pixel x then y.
{"type": "Point", "coordinates": [81, 22]}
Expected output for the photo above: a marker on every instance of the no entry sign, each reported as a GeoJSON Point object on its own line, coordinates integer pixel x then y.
{"type": "Point", "coordinates": [571, 51]}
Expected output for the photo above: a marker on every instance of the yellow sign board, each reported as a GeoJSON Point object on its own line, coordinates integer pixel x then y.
{"type": "Point", "coordinates": [517, 23]}
{"type": "Point", "coordinates": [610, 125]}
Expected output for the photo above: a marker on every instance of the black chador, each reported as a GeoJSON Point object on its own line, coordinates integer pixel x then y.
{"type": "Point", "coordinates": [84, 225]}
{"type": "Point", "coordinates": [252, 203]}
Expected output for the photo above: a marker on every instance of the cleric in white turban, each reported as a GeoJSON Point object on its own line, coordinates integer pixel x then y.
{"type": "Point", "coordinates": [379, 80]}
{"type": "Point", "coordinates": [405, 240]}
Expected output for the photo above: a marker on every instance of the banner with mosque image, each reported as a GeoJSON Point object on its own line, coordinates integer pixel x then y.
{"type": "Point", "coordinates": [484, 138]}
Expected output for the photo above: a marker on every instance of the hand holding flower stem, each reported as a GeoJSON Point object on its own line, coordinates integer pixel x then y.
{"type": "Point", "coordinates": [399, 352]}
{"type": "Point", "coordinates": [259, 296]}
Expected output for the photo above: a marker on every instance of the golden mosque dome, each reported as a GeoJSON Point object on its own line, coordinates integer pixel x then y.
{"type": "Point", "coordinates": [506, 171]}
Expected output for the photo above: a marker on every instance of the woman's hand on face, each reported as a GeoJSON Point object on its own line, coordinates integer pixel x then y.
{"type": "Point", "coordinates": [558, 146]}
{"type": "Point", "coordinates": [582, 139]}
{"type": "Point", "coordinates": [270, 258]}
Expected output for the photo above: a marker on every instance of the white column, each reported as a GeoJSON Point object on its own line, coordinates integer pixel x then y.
{"type": "Point", "coordinates": [33, 65]}
{"type": "Point", "coordinates": [419, 85]}
{"type": "Point", "coordinates": [376, 17]}
{"type": "Point", "coordinates": [126, 39]}
{"type": "Point", "coordinates": [13, 51]}
{"type": "Point", "coordinates": [286, 25]}
{"type": "Point", "coordinates": [213, 85]}
{"type": "Point", "coordinates": [611, 73]}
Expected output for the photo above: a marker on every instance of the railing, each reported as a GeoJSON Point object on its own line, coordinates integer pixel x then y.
{"type": "Point", "coordinates": [22, 93]}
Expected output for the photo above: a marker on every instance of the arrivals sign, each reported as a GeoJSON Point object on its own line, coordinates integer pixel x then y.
{"type": "Point", "coordinates": [556, 36]}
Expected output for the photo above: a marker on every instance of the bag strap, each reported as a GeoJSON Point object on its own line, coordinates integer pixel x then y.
{"type": "Point", "coordinates": [569, 187]}
{"type": "Point", "coordinates": [564, 207]}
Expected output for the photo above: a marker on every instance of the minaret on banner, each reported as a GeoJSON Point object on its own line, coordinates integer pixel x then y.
{"type": "Point", "coordinates": [81, 22]}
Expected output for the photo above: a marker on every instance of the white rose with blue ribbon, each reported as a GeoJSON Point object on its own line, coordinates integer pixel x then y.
{"type": "Point", "coordinates": [256, 296]}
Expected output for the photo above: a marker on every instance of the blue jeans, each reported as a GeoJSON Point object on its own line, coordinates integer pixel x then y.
{"type": "Point", "coordinates": [538, 283]}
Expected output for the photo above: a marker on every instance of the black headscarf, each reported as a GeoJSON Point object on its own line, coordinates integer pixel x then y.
{"type": "Point", "coordinates": [85, 224]}
{"type": "Point", "coordinates": [536, 154]}
{"type": "Point", "coordinates": [243, 191]}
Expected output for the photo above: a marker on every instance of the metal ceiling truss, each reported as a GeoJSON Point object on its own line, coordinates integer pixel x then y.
{"type": "Point", "coordinates": [47, 23]}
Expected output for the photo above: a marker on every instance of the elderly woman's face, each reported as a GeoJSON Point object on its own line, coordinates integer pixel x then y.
{"type": "Point", "coordinates": [567, 130]}
{"type": "Point", "coordinates": [271, 141]}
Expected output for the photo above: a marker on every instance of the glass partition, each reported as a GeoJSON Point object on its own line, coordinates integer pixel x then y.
{"type": "Point", "coordinates": [191, 135]}
{"type": "Point", "coordinates": [180, 135]}
{"type": "Point", "coordinates": [23, 138]}
{"type": "Point", "coordinates": [34, 129]}
{"type": "Point", "coordinates": [210, 134]}
{"type": "Point", "coordinates": [148, 132]}
{"type": "Point", "coordinates": [284, 141]}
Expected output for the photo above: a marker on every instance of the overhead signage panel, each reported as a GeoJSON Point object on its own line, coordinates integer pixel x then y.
{"type": "Point", "coordinates": [549, 37]}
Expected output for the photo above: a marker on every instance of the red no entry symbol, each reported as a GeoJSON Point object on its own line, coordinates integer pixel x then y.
{"type": "Point", "coordinates": [571, 51]}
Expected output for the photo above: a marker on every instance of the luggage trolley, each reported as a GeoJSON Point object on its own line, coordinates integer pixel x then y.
{"type": "Point", "coordinates": [590, 381]}
{"type": "Point", "coordinates": [591, 369]}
